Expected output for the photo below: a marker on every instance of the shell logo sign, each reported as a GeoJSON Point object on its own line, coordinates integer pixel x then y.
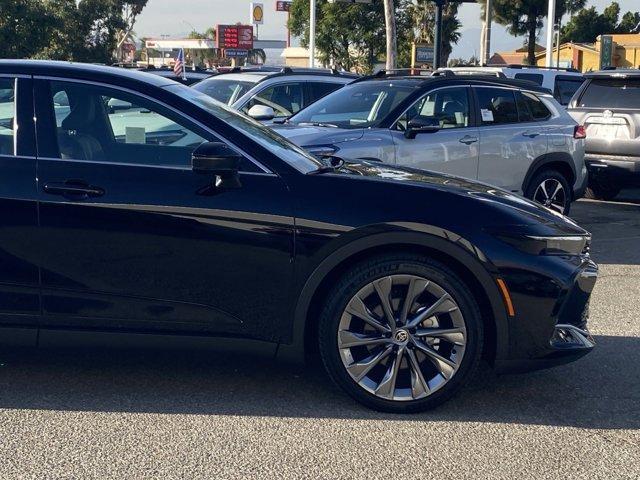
{"type": "Point", "coordinates": [257, 13]}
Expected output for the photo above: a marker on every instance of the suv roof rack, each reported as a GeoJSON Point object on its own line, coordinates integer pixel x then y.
{"type": "Point", "coordinates": [285, 70]}
{"type": "Point", "coordinates": [447, 72]}
{"type": "Point", "coordinates": [396, 72]}
{"type": "Point", "coordinates": [536, 67]}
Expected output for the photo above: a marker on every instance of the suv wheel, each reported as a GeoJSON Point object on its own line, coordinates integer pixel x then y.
{"type": "Point", "coordinates": [400, 333]}
{"type": "Point", "coordinates": [551, 189]}
{"type": "Point", "coordinates": [599, 190]}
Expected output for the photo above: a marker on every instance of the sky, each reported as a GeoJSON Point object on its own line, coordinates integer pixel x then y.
{"type": "Point", "coordinates": [177, 18]}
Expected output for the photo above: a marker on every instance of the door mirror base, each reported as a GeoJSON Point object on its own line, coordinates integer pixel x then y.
{"type": "Point", "coordinates": [419, 125]}
{"type": "Point", "coordinates": [219, 159]}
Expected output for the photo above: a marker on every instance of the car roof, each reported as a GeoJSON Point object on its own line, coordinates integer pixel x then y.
{"type": "Point", "coordinates": [85, 71]}
{"type": "Point", "coordinates": [614, 73]}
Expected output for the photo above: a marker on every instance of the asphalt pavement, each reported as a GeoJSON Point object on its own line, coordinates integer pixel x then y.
{"type": "Point", "coordinates": [178, 415]}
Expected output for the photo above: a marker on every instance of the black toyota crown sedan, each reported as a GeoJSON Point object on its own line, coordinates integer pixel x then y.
{"type": "Point", "coordinates": [136, 208]}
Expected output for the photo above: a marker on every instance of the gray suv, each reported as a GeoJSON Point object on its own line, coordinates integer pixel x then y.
{"type": "Point", "coordinates": [608, 104]}
{"type": "Point", "coordinates": [508, 133]}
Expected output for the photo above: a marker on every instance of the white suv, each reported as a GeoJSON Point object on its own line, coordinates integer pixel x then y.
{"type": "Point", "coordinates": [562, 82]}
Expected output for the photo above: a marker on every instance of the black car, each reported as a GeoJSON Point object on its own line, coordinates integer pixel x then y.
{"type": "Point", "coordinates": [190, 76]}
{"type": "Point", "coordinates": [608, 105]}
{"type": "Point", "coordinates": [141, 209]}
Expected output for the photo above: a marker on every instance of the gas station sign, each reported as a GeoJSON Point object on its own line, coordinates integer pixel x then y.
{"type": "Point", "coordinates": [234, 37]}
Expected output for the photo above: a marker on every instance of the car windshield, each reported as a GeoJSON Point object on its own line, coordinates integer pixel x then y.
{"type": "Point", "coordinates": [224, 90]}
{"type": "Point", "coordinates": [618, 93]}
{"type": "Point", "coordinates": [361, 105]}
{"type": "Point", "coordinates": [267, 138]}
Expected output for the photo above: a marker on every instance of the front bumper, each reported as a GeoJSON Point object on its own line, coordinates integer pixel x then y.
{"type": "Point", "coordinates": [624, 171]}
{"type": "Point", "coordinates": [550, 327]}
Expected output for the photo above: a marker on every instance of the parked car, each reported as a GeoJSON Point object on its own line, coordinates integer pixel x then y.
{"type": "Point", "coordinates": [562, 82]}
{"type": "Point", "coordinates": [240, 239]}
{"type": "Point", "coordinates": [608, 104]}
{"type": "Point", "coordinates": [190, 76]}
{"type": "Point", "coordinates": [504, 132]}
{"type": "Point", "coordinates": [273, 93]}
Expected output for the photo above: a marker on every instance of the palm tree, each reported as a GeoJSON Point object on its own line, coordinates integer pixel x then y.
{"type": "Point", "coordinates": [423, 13]}
{"type": "Point", "coordinates": [390, 22]}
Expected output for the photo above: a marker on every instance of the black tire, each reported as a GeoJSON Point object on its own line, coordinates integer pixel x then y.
{"type": "Point", "coordinates": [379, 267]}
{"type": "Point", "coordinates": [550, 176]}
{"type": "Point", "coordinates": [601, 190]}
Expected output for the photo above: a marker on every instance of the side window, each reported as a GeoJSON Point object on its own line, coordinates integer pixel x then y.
{"type": "Point", "coordinates": [536, 78]}
{"type": "Point", "coordinates": [524, 114]}
{"type": "Point", "coordinates": [321, 89]}
{"type": "Point", "coordinates": [285, 99]}
{"type": "Point", "coordinates": [565, 88]}
{"type": "Point", "coordinates": [103, 124]}
{"type": "Point", "coordinates": [497, 106]}
{"type": "Point", "coordinates": [7, 114]}
{"type": "Point", "coordinates": [539, 111]}
{"type": "Point", "coordinates": [449, 106]}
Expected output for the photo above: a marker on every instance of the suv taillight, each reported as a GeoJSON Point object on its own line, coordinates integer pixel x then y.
{"type": "Point", "coordinates": [579, 132]}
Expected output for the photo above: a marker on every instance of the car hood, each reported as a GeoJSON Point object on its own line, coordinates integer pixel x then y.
{"type": "Point", "coordinates": [531, 211]}
{"type": "Point", "coordinates": [307, 135]}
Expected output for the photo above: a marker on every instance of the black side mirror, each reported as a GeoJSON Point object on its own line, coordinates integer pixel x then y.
{"type": "Point", "coordinates": [220, 160]}
{"type": "Point", "coordinates": [421, 125]}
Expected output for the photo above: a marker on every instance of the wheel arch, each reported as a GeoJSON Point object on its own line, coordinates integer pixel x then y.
{"type": "Point", "coordinates": [470, 269]}
{"type": "Point", "coordinates": [560, 161]}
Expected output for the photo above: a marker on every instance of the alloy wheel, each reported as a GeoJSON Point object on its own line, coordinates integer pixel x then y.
{"type": "Point", "coordinates": [402, 337]}
{"type": "Point", "coordinates": [551, 194]}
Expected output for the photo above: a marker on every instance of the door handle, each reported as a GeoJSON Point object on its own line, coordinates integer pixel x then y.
{"type": "Point", "coordinates": [468, 139]}
{"type": "Point", "coordinates": [530, 134]}
{"type": "Point", "coordinates": [73, 189]}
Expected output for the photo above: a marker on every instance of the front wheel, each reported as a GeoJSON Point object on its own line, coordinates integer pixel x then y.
{"type": "Point", "coordinates": [601, 190]}
{"type": "Point", "coordinates": [551, 189]}
{"type": "Point", "coordinates": [400, 333]}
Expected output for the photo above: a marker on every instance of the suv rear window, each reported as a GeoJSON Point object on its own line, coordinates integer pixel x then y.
{"type": "Point", "coordinates": [565, 88]}
{"type": "Point", "coordinates": [536, 78]}
{"type": "Point", "coordinates": [616, 93]}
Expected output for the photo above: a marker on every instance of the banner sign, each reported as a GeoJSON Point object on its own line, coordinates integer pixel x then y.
{"type": "Point", "coordinates": [424, 54]}
{"type": "Point", "coordinates": [234, 36]}
{"type": "Point", "coordinates": [283, 5]}
{"type": "Point", "coordinates": [606, 51]}
{"type": "Point", "coordinates": [235, 52]}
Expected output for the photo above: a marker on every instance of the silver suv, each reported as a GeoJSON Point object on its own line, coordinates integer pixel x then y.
{"type": "Point", "coordinates": [507, 133]}
{"type": "Point", "coordinates": [269, 93]}
{"type": "Point", "coordinates": [608, 104]}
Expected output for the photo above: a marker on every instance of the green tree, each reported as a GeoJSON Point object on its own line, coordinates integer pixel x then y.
{"type": "Point", "coordinates": [588, 24]}
{"type": "Point", "coordinates": [423, 13]}
{"type": "Point", "coordinates": [524, 17]}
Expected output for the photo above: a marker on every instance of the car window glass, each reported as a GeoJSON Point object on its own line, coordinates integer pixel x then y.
{"type": "Point", "coordinates": [536, 78]}
{"type": "Point", "coordinates": [7, 114]}
{"type": "Point", "coordinates": [497, 106]}
{"type": "Point", "coordinates": [524, 113]}
{"type": "Point", "coordinates": [285, 100]}
{"type": "Point", "coordinates": [224, 90]}
{"type": "Point", "coordinates": [361, 105]}
{"type": "Point", "coordinates": [450, 107]}
{"type": "Point", "coordinates": [612, 93]}
{"type": "Point", "coordinates": [102, 124]}
{"type": "Point", "coordinates": [538, 109]}
{"type": "Point", "coordinates": [322, 89]}
{"type": "Point", "coordinates": [565, 88]}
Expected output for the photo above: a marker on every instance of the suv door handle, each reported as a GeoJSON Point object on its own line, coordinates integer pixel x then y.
{"type": "Point", "coordinates": [468, 139]}
{"type": "Point", "coordinates": [73, 189]}
{"type": "Point", "coordinates": [531, 134]}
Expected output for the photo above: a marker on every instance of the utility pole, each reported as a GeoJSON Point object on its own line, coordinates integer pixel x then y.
{"type": "Point", "coordinates": [312, 34]}
{"type": "Point", "coordinates": [551, 17]}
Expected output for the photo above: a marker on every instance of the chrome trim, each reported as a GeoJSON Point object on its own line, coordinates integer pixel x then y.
{"type": "Point", "coordinates": [155, 100]}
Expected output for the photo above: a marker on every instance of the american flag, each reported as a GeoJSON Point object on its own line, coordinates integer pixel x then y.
{"type": "Point", "coordinates": [178, 68]}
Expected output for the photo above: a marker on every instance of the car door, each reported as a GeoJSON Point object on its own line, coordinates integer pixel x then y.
{"type": "Point", "coordinates": [454, 147]}
{"type": "Point", "coordinates": [508, 145]}
{"type": "Point", "coordinates": [19, 275]}
{"type": "Point", "coordinates": [135, 239]}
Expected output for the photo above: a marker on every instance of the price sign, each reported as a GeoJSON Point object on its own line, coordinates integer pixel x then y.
{"type": "Point", "coordinates": [235, 36]}
{"type": "Point", "coordinates": [283, 5]}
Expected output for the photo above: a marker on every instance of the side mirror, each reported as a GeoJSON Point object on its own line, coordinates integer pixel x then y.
{"type": "Point", "coordinates": [116, 105]}
{"type": "Point", "coordinates": [261, 112]}
{"type": "Point", "coordinates": [220, 160]}
{"type": "Point", "coordinates": [421, 125]}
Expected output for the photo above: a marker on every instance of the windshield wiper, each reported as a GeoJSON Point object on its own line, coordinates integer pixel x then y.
{"type": "Point", "coordinates": [318, 124]}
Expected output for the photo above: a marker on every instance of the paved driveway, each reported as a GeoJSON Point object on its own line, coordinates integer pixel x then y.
{"type": "Point", "coordinates": [174, 415]}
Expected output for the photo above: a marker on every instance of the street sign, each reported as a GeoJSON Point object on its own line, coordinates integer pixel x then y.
{"type": "Point", "coordinates": [423, 54]}
{"type": "Point", "coordinates": [606, 51]}
{"type": "Point", "coordinates": [283, 5]}
{"type": "Point", "coordinates": [235, 52]}
{"type": "Point", "coordinates": [234, 36]}
{"type": "Point", "coordinates": [257, 13]}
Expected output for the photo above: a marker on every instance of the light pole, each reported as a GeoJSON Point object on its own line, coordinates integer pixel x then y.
{"type": "Point", "coordinates": [312, 34]}
{"type": "Point", "coordinates": [551, 15]}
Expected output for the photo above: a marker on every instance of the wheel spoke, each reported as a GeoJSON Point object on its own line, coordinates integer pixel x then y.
{"type": "Point", "coordinates": [357, 308]}
{"type": "Point", "coordinates": [416, 287]}
{"type": "Point", "coordinates": [359, 369]}
{"type": "Point", "coordinates": [387, 386]}
{"type": "Point", "coordinates": [452, 335]}
{"type": "Point", "coordinates": [383, 288]}
{"type": "Point", "coordinates": [445, 366]}
{"type": "Point", "coordinates": [419, 386]}
{"type": "Point", "coordinates": [543, 187]}
{"type": "Point", "coordinates": [347, 339]}
{"type": "Point", "coordinates": [555, 192]}
{"type": "Point", "coordinates": [444, 304]}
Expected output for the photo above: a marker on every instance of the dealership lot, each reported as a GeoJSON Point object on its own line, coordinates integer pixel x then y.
{"type": "Point", "coordinates": [160, 415]}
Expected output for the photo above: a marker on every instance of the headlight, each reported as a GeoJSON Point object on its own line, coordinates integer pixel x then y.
{"type": "Point", "coordinates": [550, 245]}
{"type": "Point", "coordinates": [322, 150]}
